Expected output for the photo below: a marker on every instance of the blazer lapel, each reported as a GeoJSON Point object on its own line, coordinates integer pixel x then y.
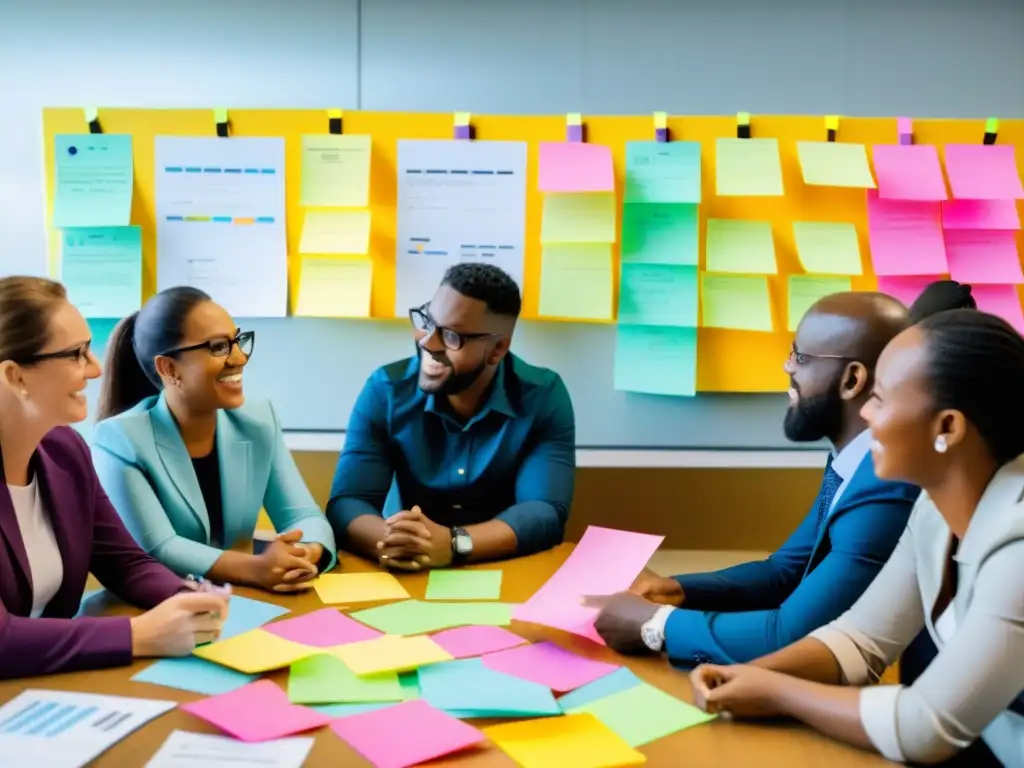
{"type": "Point", "coordinates": [72, 529]}
{"type": "Point", "coordinates": [177, 462]}
{"type": "Point", "coordinates": [233, 455]}
{"type": "Point", "coordinates": [11, 531]}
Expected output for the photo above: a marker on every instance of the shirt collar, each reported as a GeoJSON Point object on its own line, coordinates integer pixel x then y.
{"type": "Point", "coordinates": [497, 400]}
{"type": "Point", "coordinates": [845, 462]}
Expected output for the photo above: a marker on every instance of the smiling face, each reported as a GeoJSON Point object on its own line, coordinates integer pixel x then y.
{"type": "Point", "coordinates": [815, 377]}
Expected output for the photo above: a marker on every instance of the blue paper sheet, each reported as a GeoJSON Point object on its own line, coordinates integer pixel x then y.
{"type": "Point", "coordinates": [466, 684]}
{"type": "Point", "coordinates": [246, 614]}
{"type": "Point", "coordinates": [347, 710]}
{"type": "Point", "coordinates": [617, 681]}
{"type": "Point", "coordinates": [94, 180]}
{"type": "Point", "coordinates": [193, 674]}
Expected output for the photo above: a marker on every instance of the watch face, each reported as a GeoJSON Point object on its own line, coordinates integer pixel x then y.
{"type": "Point", "coordinates": [463, 544]}
{"type": "Point", "coordinates": [652, 638]}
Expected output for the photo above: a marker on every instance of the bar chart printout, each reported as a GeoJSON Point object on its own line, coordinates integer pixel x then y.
{"type": "Point", "coordinates": [69, 730]}
{"type": "Point", "coordinates": [457, 201]}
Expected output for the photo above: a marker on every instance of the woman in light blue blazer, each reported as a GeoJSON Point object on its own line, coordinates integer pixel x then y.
{"type": "Point", "coordinates": [188, 463]}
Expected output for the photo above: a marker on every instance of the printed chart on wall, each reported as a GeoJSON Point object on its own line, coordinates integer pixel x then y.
{"type": "Point", "coordinates": [457, 201]}
{"type": "Point", "coordinates": [220, 210]}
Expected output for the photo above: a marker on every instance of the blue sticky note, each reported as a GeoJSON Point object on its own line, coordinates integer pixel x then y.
{"type": "Point", "coordinates": [466, 684]}
{"type": "Point", "coordinates": [617, 681]}
{"type": "Point", "coordinates": [656, 360]}
{"type": "Point", "coordinates": [191, 673]}
{"type": "Point", "coordinates": [346, 710]}
{"type": "Point", "coordinates": [658, 294]}
{"type": "Point", "coordinates": [93, 181]}
{"type": "Point", "coordinates": [102, 269]}
{"type": "Point", "coordinates": [246, 614]}
{"type": "Point", "coordinates": [660, 234]}
{"type": "Point", "coordinates": [662, 172]}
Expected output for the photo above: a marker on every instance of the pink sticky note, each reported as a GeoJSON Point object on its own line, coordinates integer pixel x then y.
{"type": "Point", "coordinates": [605, 561]}
{"type": "Point", "coordinates": [905, 237]}
{"type": "Point", "coordinates": [980, 214]}
{"type": "Point", "coordinates": [549, 665]}
{"type": "Point", "coordinates": [983, 172]}
{"type": "Point", "coordinates": [908, 172]}
{"type": "Point", "coordinates": [575, 167]}
{"type": "Point", "coordinates": [983, 256]}
{"type": "Point", "coordinates": [323, 629]}
{"type": "Point", "coordinates": [259, 711]}
{"type": "Point", "coordinates": [906, 288]}
{"type": "Point", "coordinates": [1001, 300]}
{"type": "Point", "coordinates": [405, 734]}
{"type": "Point", "coordinates": [465, 642]}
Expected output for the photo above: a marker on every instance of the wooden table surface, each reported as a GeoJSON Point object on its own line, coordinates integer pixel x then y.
{"type": "Point", "coordinates": [718, 743]}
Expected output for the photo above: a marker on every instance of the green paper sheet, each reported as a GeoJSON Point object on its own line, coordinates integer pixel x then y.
{"type": "Point", "coordinates": [576, 281]}
{"type": "Point", "coordinates": [828, 247]}
{"type": "Point", "coordinates": [660, 233]}
{"type": "Point", "coordinates": [662, 172]}
{"type": "Point", "coordinates": [101, 267]}
{"type": "Point", "coordinates": [464, 585]}
{"type": "Point", "coordinates": [414, 617]}
{"type": "Point", "coordinates": [410, 682]}
{"type": "Point", "coordinates": [748, 168]}
{"type": "Point", "coordinates": [335, 170]}
{"type": "Point", "coordinates": [736, 245]}
{"type": "Point", "coordinates": [736, 303]}
{"type": "Point", "coordinates": [324, 679]}
{"type": "Point", "coordinates": [835, 164]}
{"type": "Point", "coordinates": [578, 217]}
{"type": "Point", "coordinates": [658, 294]}
{"type": "Point", "coordinates": [804, 290]}
{"type": "Point", "coordinates": [656, 360]}
{"type": "Point", "coordinates": [94, 180]}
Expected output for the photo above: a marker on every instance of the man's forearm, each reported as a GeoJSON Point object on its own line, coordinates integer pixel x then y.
{"type": "Point", "coordinates": [491, 540]}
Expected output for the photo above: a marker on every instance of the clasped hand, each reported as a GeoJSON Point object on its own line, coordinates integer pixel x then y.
{"type": "Point", "coordinates": [287, 564]}
{"type": "Point", "coordinates": [413, 541]}
{"type": "Point", "coordinates": [738, 690]}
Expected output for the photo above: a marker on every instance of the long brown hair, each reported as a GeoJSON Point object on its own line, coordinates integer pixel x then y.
{"type": "Point", "coordinates": [26, 304]}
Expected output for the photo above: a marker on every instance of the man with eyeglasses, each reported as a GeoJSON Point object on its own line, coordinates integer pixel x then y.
{"type": "Point", "coordinates": [741, 613]}
{"type": "Point", "coordinates": [481, 444]}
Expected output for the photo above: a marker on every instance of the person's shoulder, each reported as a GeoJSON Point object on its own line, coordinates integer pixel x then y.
{"type": "Point", "coordinates": [129, 430]}
{"type": "Point", "coordinates": [65, 443]}
{"type": "Point", "coordinates": [396, 380]}
{"type": "Point", "coordinates": [867, 483]}
{"type": "Point", "coordinates": [531, 381]}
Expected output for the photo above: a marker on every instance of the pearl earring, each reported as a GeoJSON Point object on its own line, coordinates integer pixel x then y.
{"type": "Point", "coordinates": [940, 444]}
{"type": "Point", "coordinates": [24, 393]}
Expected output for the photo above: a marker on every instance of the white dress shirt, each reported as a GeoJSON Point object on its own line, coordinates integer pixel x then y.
{"type": "Point", "coordinates": [44, 559]}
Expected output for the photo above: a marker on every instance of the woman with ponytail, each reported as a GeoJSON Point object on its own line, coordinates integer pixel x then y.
{"type": "Point", "coordinates": [189, 463]}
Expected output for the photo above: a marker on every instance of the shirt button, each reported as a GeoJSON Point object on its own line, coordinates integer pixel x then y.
{"type": "Point", "coordinates": [462, 471]}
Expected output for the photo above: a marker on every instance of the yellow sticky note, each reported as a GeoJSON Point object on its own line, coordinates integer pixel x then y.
{"type": "Point", "coordinates": [835, 164]}
{"type": "Point", "coordinates": [335, 232]}
{"type": "Point", "coordinates": [334, 114]}
{"type": "Point", "coordinates": [220, 115]}
{"type": "Point", "coordinates": [748, 168]}
{"type": "Point", "coordinates": [574, 118]}
{"type": "Point", "coordinates": [254, 652]}
{"type": "Point", "coordinates": [805, 290]}
{"type": "Point", "coordinates": [390, 653]}
{"type": "Point", "coordinates": [741, 246]}
{"type": "Point", "coordinates": [828, 247]}
{"type": "Point", "coordinates": [335, 171]}
{"type": "Point", "coordinates": [576, 281]}
{"type": "Point", "coordinates": [742, 118]}
{"type": "Point", "coordinates": [660, 120]}
{"type": "Point", "coordinates": [334, 287]}
{"type": "Point", "coordinates": [335, 588]}
{"type": "Point", "coordinates": [832, 123]}
{"type": "Point", "coordinates": [461, 118]}
{"type": "Point", "coordinates": [735, 302]}
{"type": "Point", "coordinates": [581, 741]}
{"type": "Point", "coordinates": [578, 217]}
{"type": "Point", "coordinates": [91, 113]}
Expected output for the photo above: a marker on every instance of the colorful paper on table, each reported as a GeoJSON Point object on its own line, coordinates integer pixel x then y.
{"type": "Point", "coordinates": [736, 303]}
{"type": "Point", "coordinates": [662, 172]}
{"type": "Point", "coordinates": [1000, 300]}
{"type": "Point", "coordinates": [347, 710]}
{"type": "Point", "coordinates": [335, 287]}
{"type": "Point", "coordinates": [905, 237]}
{"type": "Point", "coordinates": [748, 168]}
{"type": "Point", "coordinates": [464, 642]}
{"type": "Point", "coordinates": [203, 750]}
{"type": "Point", "coordinates": [191, 674]}
{"type": "Point", "coordinates": [574, 166]}
{"type": "Point", "coordinates": [906, 288]}
{"type": "Point", "coordinates": [642, 714]}
{"type": "Point", "coordinates": [983, 172]}
{"type": "Point", "coordinates": [581, 741]}
{"type": "Point", "coordinates": [832, 164]}
{"type": "Point", "coordinates": [908, 172]}
{"type": "Point", "coordinates": [246, 614]}
{"type": "Point", "coordinates": [549, 665]}
{"type": "Point", "coordinates": [576, 281]}
{"type": "Point", "coordinates": [578, 218]}
{"type": "Point", "coordinates": [604, 561]}
{"type": "Point", "coordinates": [390, 653]}
{"type": "Point", "coordinates": [619, 680]}
{"type": "Point", "coordinates": [827, 247]}
{"type": "Point", "coordinates": [656, 360]}
{"type": "Point", "coordinates": [335, 170]}
{"type": "Point", "coordinates": [805, 290]}
{"type": "Point", "coordinates": [410, 684]}
{"type": "Point", "coordinates": [101, 267]}
{"type": "Point", "coordinates": [406, 734]}
{"type": "Point", "coordinates": [980, 214]}
{"type": "Point", "coordinates": [469, 684]}
{"type": "Point", "coordinates": [94, 178]}
{"type": "Point", "coordinates": [324, 679]}
{"type": "Point", "coordinates": [258, 712]}
{"type": "Point", "coordinates": [736, 245]}
{"type": "Point", "coordinates": [322, 629]}
{"type": "Point", "coordinates": [254, 652]}
{"type": "Point", "coordinates": [358, 588]}
{"type": "Point", "coordinates": [413, 617]}
{"type": "Point", "coordinates": [466, 584]}
{"type": "Point", "coordinates": [660, 234]}
{"type": "Point", "coordinates": [658, 294]}
{"type": "Point", "coordinates": [983, 256]}
{"type": "Point", "coordinates": [335, 232]}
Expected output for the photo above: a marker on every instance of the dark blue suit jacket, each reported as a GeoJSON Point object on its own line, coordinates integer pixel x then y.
{"type": "Point", "coordinates": [741, 613]}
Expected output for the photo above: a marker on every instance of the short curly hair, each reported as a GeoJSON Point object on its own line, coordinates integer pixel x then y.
{"type": "Point", "coordinates": [486, 283]}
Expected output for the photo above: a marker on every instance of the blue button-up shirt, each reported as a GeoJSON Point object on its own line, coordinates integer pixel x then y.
{"type": "Point", "coordinates": [514, 461]}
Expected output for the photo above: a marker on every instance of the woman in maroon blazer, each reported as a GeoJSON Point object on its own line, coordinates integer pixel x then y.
{"type": "Point", "coordinates": [56, 524]}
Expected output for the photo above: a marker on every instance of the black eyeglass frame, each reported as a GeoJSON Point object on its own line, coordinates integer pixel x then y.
{"type": "Point", "coordinates": [238, 340]}
{"type": "Point", "coordinates": [430, 327]}
{"type": "Point", "coordinates": [78, 353]}
{"type": "Point", "coordinates": [802, 358]}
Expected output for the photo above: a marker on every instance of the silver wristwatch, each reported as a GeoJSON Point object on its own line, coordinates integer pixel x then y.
{"type": "Point", "coordinates": [653, 630]}
{"type": "Point", "coordinates": [462, 544]}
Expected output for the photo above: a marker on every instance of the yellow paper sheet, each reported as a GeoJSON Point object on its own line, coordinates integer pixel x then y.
{"type": "Point", "coordinates": [335, 588]}
{"type": "Point", "coordinates": [835, 164]}
{"type": "Point", "coordinates": [737, 303]}
{"type": "Point", "coordinates": [578, 217]}
{"type": "Point", "coordinates": [254, 652]}
{"type": "Point", "coordinates": [748, 168]}
{"type": "Point", "coordinates": [805, 290]}
{"type": "Point", "coordinates": [335, 232]}
{"type": "Point", "coordinates": [737, 245]}
{"type": "Point", "coordinates": [576, 281]}
{"type": "Point", "coordinates": [335, 287]}
{"type": "Point", "coordinates": [580, 741]}
{"type": "Point", "coordinates": [390, 653]}
{"type": "Point", "coordinates": [335, 170]}
{"type": "Point", "coordinates": [828, 247]}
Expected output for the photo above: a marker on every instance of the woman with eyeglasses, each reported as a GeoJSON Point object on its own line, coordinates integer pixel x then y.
{"type": "Point", "coordinates": [189, 463]}
{"type": "Point", "coordinates": [56, 523]}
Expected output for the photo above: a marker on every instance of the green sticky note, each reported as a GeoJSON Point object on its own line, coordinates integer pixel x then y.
{"type": "Point", "coordinates": [464, 585]}
{"type": "Point", "coordinates": [220, 114]}
{"type": "Point", "coordinates": [335, 171]}
{"type": "Point", "coordinates": [643, 713]}
{"type": "Point", "coordinates": [827, 247]}
{"type": "Point", "coordinates": [578, 217]}
{"type": "Point", "coordinates": [805, 290]}
{"type": "Point", "coordinates": [656, 360]}
{"type": "Point", "coordinates": [101, 267]}
{"type": "Point", "coordinates": [94, 174]}
{"type": "Point", "coordinates": [660, 233]}
{"type": "Point", "coordinates": [748, 168]}
{"type": "Point", "coordinates": [662, 172]}
{"type": "Point", "coordinates": [834, 164]}
{"type": "Point", "coordinates": [735, 245]}
{"type": "Point", "coordinates": [324, 679]}
{"type": "Point", "coordinates": [737, 303]}
{"type": "Point", "coordinates": [415, 617]}
{"type": "Point", "coordinates": [992, 125]}
{"type": "Point", "coordinates": [658, 294]}
{"type": "Point", "coordinates": [576, 281]}
{"type": "Point", "coordinates": [410, 683]}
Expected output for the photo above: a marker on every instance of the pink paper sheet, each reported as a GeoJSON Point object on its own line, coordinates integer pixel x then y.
{"type": "Point", "coordinates": [908, 172]}
{"type": "Point", "coordinates": [983, 256]}
{"type": "Point", "coordinates": [323, 629]}
{"type": "Point", "coordinates": [575, 167]}
{"type": "Point", "coordinates": [548, 664]}
{"type": "Point", "coordinates": [604, 561]}
{"type": "Point", "coordinates": [983, 172]}
{"type": "Point", "coordinates": [980, 214]}
{"type": "Point", "coordinates": [405, 734]}
{"type": "Point", "coordinates": [906, 288]}
{"type": "Point", "coordinates": [466, 642]}
{"type": "Point", "coordinates": [905, 237]}
{"type": "Point", "coordinates": [259, 711]}
{"type": "Point", "coordinates": [1001, 300]}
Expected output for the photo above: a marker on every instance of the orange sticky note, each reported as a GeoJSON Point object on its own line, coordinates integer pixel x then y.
{"type": "Point", "coordinates": [581, 741]}
{"type": "Point", "coordinates": [391, 653]}
{"type": "Point", "coordinates": [255, 651]}
{"type": "Point", "coordinates": [334, 588]}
